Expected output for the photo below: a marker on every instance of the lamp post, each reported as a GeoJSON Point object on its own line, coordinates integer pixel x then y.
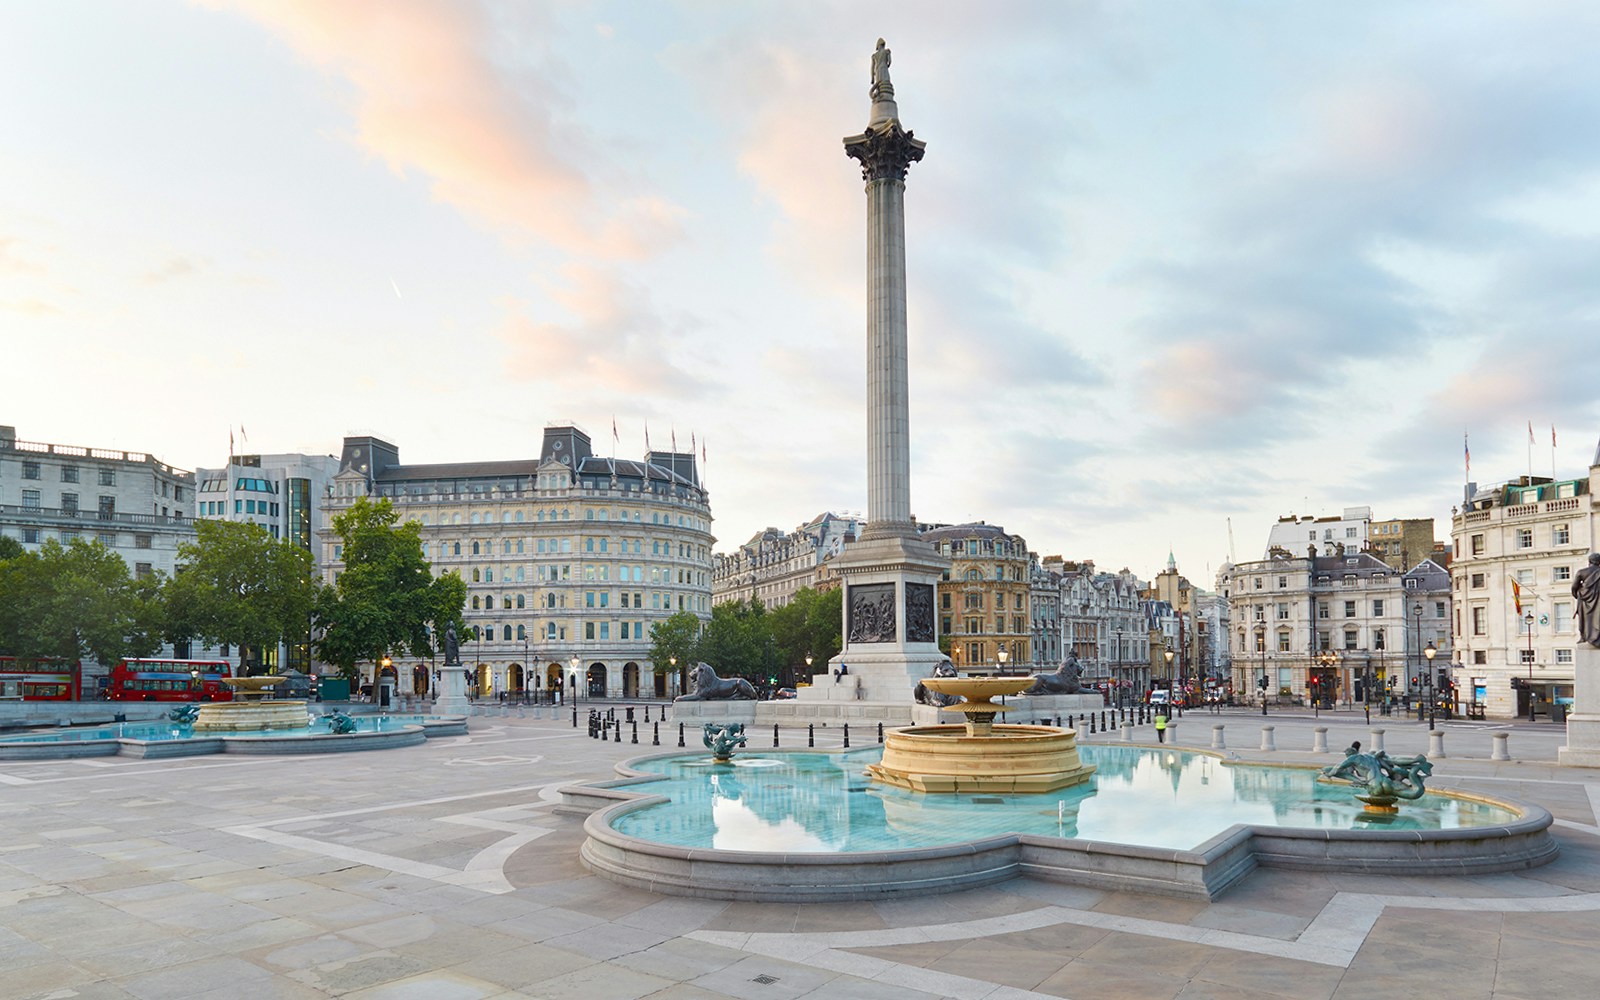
{"type": "Point", "coordinates": [194, 682]}
{"type": "Point", "coordinates": [1325, 659]}
{"type": "Point", "coordinates": [1001, 654]}
{"type": "Point", "coordinates": [1430, 651]}
{"type": "Point", "coordinates": [1527, 621]}
{"type": "Point", "coordinates": [808, 668]}
{"type": "Point", "coordinates": [1261, 647]}
{"type": "Point", "coordinates": [1172, 696]}
{"type": "Point", "coordinates": [1116, 672]}
{"type": "Point", "coordinates": [672, 661]}
{"type": "Point", "coordinates": [574, 663]}
{"type": "Point", "coordinates": [1416, 682]}
{"type": "Point", "coordinates": [377, 689]}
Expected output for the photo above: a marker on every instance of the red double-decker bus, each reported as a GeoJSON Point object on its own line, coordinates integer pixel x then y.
{"type": "Point", "coordinates": [39, 680]}
{"type": "Point", "coordinates": [170, 680]}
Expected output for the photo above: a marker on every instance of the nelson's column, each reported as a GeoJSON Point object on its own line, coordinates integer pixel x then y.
{"type": "Point", "coordinates": [889, 573]}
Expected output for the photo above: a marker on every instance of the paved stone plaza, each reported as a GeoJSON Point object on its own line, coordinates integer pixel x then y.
{"type": "Point", "coordinates": [441, 872]}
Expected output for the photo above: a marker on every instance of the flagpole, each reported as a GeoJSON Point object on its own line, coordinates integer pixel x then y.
{"type": "Point", "coordinates": [1552, 453]}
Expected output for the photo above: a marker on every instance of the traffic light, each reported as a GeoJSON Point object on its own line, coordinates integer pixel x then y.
{"type": "Point", "coordinates": [1261, 682]}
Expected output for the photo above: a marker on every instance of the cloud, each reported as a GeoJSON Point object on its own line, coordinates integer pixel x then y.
{"type": "Point", "coordinates": [444, 89]}
{"type": "Point", "coordinates": [173, 268]}
{"type": "Point", "coordinates": [35, 308]}
{"type": "Point", "coordinates": [616, 340]}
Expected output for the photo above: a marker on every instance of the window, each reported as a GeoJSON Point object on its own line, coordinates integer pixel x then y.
{"type": "Point", "coordinates": [1525, 655]}
{"type": "Point", "coordinates": [1349, 638]}
{"type": "Point", "coordinates": [1562, 617]}
{"type": "Point", "coordinates": [1524, 538]}
{"type": "Point", "coordinates": [1350, 532]}
{"type": "Point", "coordinates": [1283, 641]}
{"type": "Point", "coordinates": [141, 541]}
{"type": "Point", "coordinates": [1258, 583]}
{"type": "Point", "coordinates": [1563, 656]}
{"type": "Point", "coordinates": [1349, 609]}
{"type": "Point", "coordinates": [1561, 573]}
{"type": "Point", "coordinates": [142, 570]}
{"type": "Point", "coordinates": [1477, 580]}
{"type": "Point", "coordinates": [522, 631]}
{"type": "Point", "coordinates": [1378, 639]}
{"type": "Point", "coordinates": [1322, 609]}
{"type": "Point", "coordinates": [1283, 581]}
{"type": "Point", "coordinates": [1439, 610]}
{"type": "Point", "coordinates": [30, 536]}
{"type": "Point", "coordinates": [1283, 611]}
{"type": "Point", "coordinates": [505, 634]}
{"type": "Point", "coordinates": [69, 473]}
{"type": "Point", "coordinates": [1561, 534]}
{"type": "Point", "coordinates": [1322, 640]}
{"type": "Point", "coordinates": [30, 499]}
{"type": "Point", "coordinates": [588, 630]}
{"type": "Point", "coordinates": [1377, 608]}
{"type": "Point", "coordinates": [1479, 618]}
{"type": "Point", "coordinates": [108, 477]}
{"type": "Point", "coordinates": [30, 470]}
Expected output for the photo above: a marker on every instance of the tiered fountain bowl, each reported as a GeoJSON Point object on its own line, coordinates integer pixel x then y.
{"type": "Point", "coordinates": [251, 711]}
{"type": "Point", "coordinates": [980, 756]}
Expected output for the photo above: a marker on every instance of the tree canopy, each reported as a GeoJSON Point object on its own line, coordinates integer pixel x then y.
{"type": "Point", "coordinates": [676, 636]}
{"type": "Point", "coordinates": [67, 602]}
{"type": "Point", "coordinates": [386, 600]}
{"type": "Point", "coordinates": [241, 586]}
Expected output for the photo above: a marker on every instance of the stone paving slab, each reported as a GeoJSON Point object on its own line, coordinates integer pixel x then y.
{"type": "Point", "coordinates": [441, 872]}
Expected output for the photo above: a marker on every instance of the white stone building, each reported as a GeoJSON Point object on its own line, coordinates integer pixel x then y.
{"type": "Point", "coordinates": [773, 566]}
{"type": "Point", "coordinates": [1375, 620]}
{"type": "Point", "coordinates": [1297, 535]}
{"type": "Point", "coordinates": [1520, 542]}
{"type": "Point", "coordinates": [568, 557]}
{"type": "Point", "coordinates": [283, 494]}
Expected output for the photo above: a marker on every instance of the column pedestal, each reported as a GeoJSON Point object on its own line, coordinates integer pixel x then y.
{"type": "Point", "coordinates": [1583, 724]}
{"type": "Point", "coordinates": [452, 698]}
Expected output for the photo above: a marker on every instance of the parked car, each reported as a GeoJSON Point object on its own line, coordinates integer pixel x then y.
{"type": "Point", "coordinates": [783, 694]}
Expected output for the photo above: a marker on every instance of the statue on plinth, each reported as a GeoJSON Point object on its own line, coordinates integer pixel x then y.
{"type": "Point", "coordinates": [452, 647]}
{"type": "Point", "coordinates": [709, 687]}
{"type": "Point", "coordinates": [1067, 680]}
{"type": "Point", "coordinates": [1586, 591]}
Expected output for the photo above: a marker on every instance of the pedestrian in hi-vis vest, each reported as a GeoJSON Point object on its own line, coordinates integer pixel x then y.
{"type": "Point", "coordinates": [1161, 729]}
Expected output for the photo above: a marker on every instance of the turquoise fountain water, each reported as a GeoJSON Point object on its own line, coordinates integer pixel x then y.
{"type": "Point", "coordinates": [813, 802]}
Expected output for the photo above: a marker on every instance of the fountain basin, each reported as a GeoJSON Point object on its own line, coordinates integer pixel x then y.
{"type": "Point", "coordinates": [797, 825]}
{"type": "Point", "coordinates": [945, 759]}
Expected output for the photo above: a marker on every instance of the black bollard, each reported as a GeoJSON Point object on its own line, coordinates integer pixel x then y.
{"type": "Point", "coordinates": [1103, 719]}
{"type": "Point", "coordinates": [680, 734]}
{"type": "Point", "coordinates": [847, 735]}
{"type": "Point", "coordinates": [655, 740]}
{"type": "Point", "coordinates": [880, 732]}
{"type": "Point", "coordinates": [1058, 722]}
{"type": "Point", "coordinates": [619, 730]}
{"type": "Point", "coordinates": [811, 734]}
{"type": "Point", "coordinates": [635, 731]}
{"type": "Point", "coordinates": [1091, 722]}
{"type": "Point", "coordinates": [647, 713]}
{"type": "Point", "coordinates": [774, 734]}
{"type": "Point", "coordinates": [574, 717]}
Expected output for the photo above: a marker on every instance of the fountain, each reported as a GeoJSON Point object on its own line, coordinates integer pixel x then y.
{"type": "Point", "coordinates": [252, 710]}
{"type": "Point", "coordinates": [1383, 779]}
{"type": "Point", "coordinates": [980, 756]}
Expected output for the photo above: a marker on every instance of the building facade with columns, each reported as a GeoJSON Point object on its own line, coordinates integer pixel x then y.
{"type": "Point", "coordinates": [774, 565]}
{"type": "Point", "coordinates": [1517, 546]}
{"type": "Point", "coordinates": [984, 598]}
{"type": "Point", "coordinates": [570, 559]}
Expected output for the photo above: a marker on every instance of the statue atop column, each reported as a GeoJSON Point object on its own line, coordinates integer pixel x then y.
{"type": "Point", "coordinates": [880, 70]}
{"type": "Point", "coordinates": [1586, 590]}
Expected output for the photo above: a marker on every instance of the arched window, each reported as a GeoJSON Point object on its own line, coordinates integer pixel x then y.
{"type": "Point", "coordinates": [455, 519]}
{"type": "Point", "coordinates": [488, 575]}
{"type": "Point", "coordinates": [475, 580]}
{"type": "Point", "coordinates": [520, 570]}
{"type": "Point", "coordinates": [566, 514]}
{"type": "Point", "coordinates": [505, 603]}
{"type": "Point", "coordinates": [476, 632]}
{"type": "Point", "coordinates": [519, 517]}
{"type": "Point", "coordinates": [424, 520]}
{"type": "Point", "coordinates": [520, 543]}
{"type": "Point", "coordinates": [507, 633]}
{"type": "Point", "coordinates": [541, 516]}
{"type": "Point", "coordinates": [475, 548]}
{"type": "Point", "coordinates": [506, 547]}
{"type": "Point", "coordinates": [506, 517]}
{"type": "Point", "coordinates": [458, 549]}
{"type": "Point", "coordinates": [588, 515]}
{"type": "Point", "coordinates": [603, 545]}
{"type": "Point", "coordinates": [521, 601]}
{"type": "Point", "coordinates": [474, 518]}
{"type": "Point", "coordinates": [474, 603]}
{"type": "Point", "coordinates": [522, 631]}
{"type": "Point", "coordinates": [973, 574]}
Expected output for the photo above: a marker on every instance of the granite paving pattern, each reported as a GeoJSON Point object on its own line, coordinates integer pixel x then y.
{"type": "Point", "coordinates": [442, 871]}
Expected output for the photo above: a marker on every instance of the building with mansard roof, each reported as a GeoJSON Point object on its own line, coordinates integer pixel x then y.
{"type": "Point", "coordinates": [570, 558]}
{"type": "Point", "coordinates": [775, 565]}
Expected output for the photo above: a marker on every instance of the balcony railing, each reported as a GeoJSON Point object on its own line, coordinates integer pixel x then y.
{"type": "Point", "coordinates": [92, 517]}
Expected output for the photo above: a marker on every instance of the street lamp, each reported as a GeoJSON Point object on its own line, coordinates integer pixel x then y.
{"type": "Point", "coordinates": [1527, 620]}
{"type": "Point", "coordinates": [1416, 615]}
{"type": "Point", "coordinates": [194, 681]}
{"type": "Point", "coordinates": [808, 668]}
{"type": "Point", "coordinates": [377, 688]}
{"type": "Point", "coordinates": [1167, 654]}
{"type": "Point", "coordinates": [1261, 647]}
{"type": "Point", "coordinates": [574, 663]}
{"type": "Point", "coordinates": [1001, 654]}
{"type": "Point", "coordinates": [1430, 651]}
{"type": "Point", "coordinates": [1325, 659]}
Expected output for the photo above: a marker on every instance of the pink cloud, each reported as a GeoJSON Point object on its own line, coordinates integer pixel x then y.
{"type": "Point", "coordinates": [615, 339]}
{"type": "Point", "coordinates": [429, 96]}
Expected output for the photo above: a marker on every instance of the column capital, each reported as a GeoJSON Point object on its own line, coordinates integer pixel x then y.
{"type": "Point", "coordinates": [885, 150]}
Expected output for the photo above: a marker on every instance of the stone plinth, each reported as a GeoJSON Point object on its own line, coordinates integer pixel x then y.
{"type": "Point", "coordinates": [452, 687]}
{"type": "Point", "coordinates": [1583, 724]}
{"type": "Point", "coordinates": [1010, 759]}
{"type": "Point", "coordinates": [251, 716]}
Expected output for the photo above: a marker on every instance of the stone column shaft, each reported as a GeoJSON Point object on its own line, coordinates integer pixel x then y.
{"type": "Point", "coordinates": [888, 407]}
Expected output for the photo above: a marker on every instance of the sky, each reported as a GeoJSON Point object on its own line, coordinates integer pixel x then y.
{"type": "Point", "coordinates": [1173, 266]}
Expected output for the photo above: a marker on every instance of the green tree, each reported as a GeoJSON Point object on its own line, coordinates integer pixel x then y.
{"type": "Point", "coordinates": [387, 599]}
{"type": "Point", "coordinates": [68, 602]}
{"type": "Point", "coordinates": [738, 642]}
{"type": "Point", "coordinates": [10, 548]}
{"type": "Point", "coordinates": [808, 625]}
{"type": "Point", "coordinates": [677, 636]}
{"type": "Point", "coordinates": [241, 586]}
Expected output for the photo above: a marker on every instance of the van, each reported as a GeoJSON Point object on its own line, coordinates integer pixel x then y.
{"type": "Point", "coordinates": [1159, 697]}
